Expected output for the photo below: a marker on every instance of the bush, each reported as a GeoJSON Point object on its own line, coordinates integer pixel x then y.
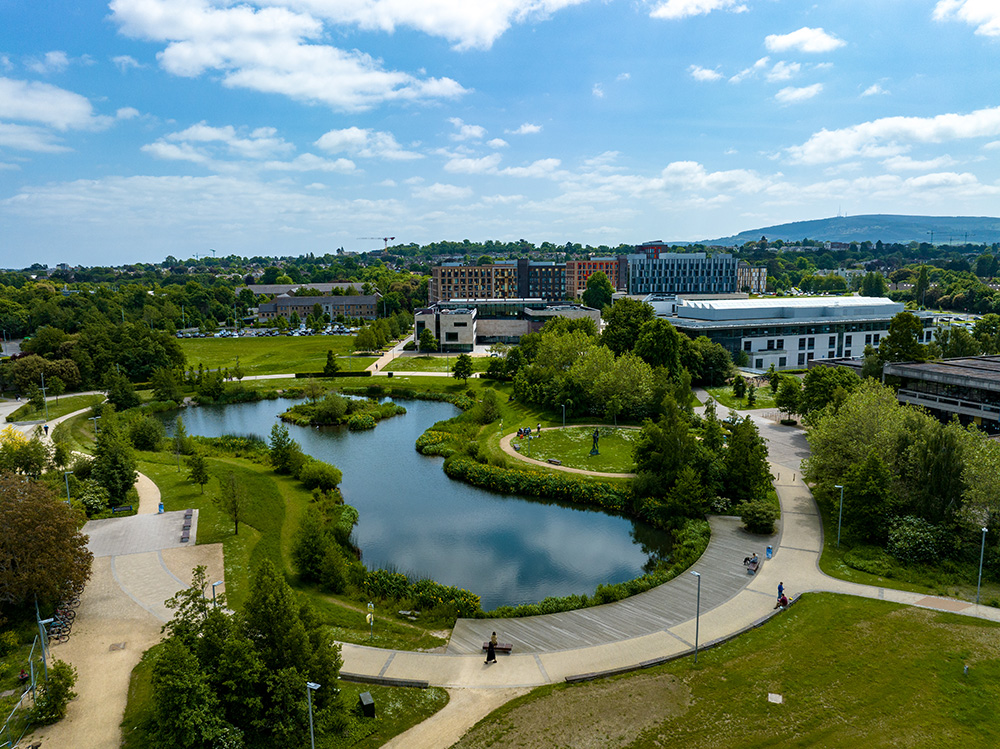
{"type": "Point", "coordinates": [8, 643]}
{"type": "Point", "coordinates": [870, 559]}
{"type": "Point", "coordinates": [758, 516]}
{"type": "Point", "coordinates": [94, 498]}
{"type": "Point", "coordinates": [315, 474]}
{"type": "Point", "coordinates": [55, 694]}
{"type": "Point", "coordinates": [146, 433]}
{"type": "Point", "coordinates": [915, 540]}
{"type": "Point", "coordinates": [333, 570]}
{"type": "Point", "coordinates": [363, 420]}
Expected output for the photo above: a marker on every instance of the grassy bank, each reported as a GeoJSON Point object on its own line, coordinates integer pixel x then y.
{"type": "Point", "coordinates": [433, 364]}
{"type": "Point", "coordinates": [67, 404]}
{"type": "Point", "coordinates": [273, 355]}
{"type": "Point", "coordinates": [889, 676]}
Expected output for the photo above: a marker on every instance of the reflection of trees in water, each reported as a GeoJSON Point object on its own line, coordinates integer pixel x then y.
{"type": "Point", "coordinates": [657, 545]}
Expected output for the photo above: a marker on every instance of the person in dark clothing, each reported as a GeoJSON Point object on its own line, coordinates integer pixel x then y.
{"type": "Point", "coordinates": [491, 649]}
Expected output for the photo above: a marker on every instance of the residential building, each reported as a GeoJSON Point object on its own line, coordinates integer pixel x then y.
{"type": "Point", "coordinates": [791, 332]}
{"type": "Point", "coordinates": [349, 306]}
{"type": "Point", "coordinates": [457, 281]}
{"type": "Point", "coordinates": [579, 271]}
{"type": "Point", "coordinates": [653, 270]}
{"type": "Point", "coordinates": [751, 279]}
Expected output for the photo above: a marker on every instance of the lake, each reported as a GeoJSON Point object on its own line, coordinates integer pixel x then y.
{"type": "Point", "coordinates": [506, 549]}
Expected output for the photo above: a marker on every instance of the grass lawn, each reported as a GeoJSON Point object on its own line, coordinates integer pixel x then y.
{"type": "Point", "coordinates": [67, 404]}
{"type": "Point", "coordinates": [276, 355]}
{"type": "Point", "coordinates": [724, 394]}
{"type": "Point", "coordinates": [396, 709]}
{"type": "Point", "coordinates": [433, 364]}
{"type": "Point", "coordinates": [572, 446]}
{"type": "Point", "coordinates": [888, 675]}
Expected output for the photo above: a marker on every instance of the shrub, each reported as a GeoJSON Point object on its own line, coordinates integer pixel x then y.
{"type": "Point", "coordinates": [94, 498]}
{"type": "Point", "coordinates": [315, 474]}
{"type": "Point", "coordinates": [146, 433]}
{"type": "Point", "coordinates": [55, 694]}
{"type": "Point", "coordinates": [870, 559]}
{"type": "Point", "coordinates": [362, 420]}
{"type": "Point", "coordinates": [758, 516]}
{"type": "Point", "coordinates": [333, 570]}
{"type": "Point", "coordinates": [915, 540]}
{"type": "Point", "coordinates": [8, 643]}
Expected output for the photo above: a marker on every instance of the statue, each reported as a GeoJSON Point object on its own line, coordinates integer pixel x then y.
{"type": "Point", "coordinates": [597, 436]}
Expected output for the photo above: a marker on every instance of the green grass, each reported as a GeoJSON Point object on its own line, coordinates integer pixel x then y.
{"type": "Point", "coordinates": [888, 675]}
{"type": "Point", "coordinates": [724, 394]}
{"type": "Point", "coordinates": [396, 710]}
{"type": "Point", "coordinates": [433, 364]}
{"type": "Point", "coordinates": [67, 404]}
{"type": "Point", "coordinates": [276, 355]}
{"type": "Point", "coordinates": [572, 446]}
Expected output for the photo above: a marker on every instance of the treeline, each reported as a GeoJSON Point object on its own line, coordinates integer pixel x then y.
{"type": "Point", "coordinates": [625, 371]}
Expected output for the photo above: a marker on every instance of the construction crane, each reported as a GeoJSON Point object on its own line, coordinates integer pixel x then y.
{"type": "Point", "coordinates": [383, 239]}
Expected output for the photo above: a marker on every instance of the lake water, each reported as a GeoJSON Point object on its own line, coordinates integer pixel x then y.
{"type": "Point", "coordinates": [506, 549]}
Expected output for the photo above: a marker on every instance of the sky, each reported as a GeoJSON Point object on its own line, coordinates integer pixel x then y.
{"type": "Point", "coordinates": [136, 129]}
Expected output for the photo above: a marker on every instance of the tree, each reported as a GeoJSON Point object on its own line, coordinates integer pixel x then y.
{"type": "Point", "coordinates": [42, 552]}
{"type": "Point", "coordinates": [181, 441]}
{"type": "Point", "coordinates": [198, 470]}
{"type": "Point", "coordinates": [56, 386]}
{"type": "Point", "coordinates": [272, 623]}
{"type": "Point", "coordinates": [787, 398]}
{"type": "Point", "coordinates": [903, 342]}
{"type": "Point", "coordinates": [659, 345]}
{"type": "Point", "coordinates": [331, 367]}
{"type": "Point", "coordinates": [285, 453]}
{"type": "Point", "coordinates": [739, 387]}
{"type": "Point", "coordinates": [825, 385]}
{"type": "Point", "coordinates": [366, 340]}
{"type": "Point", "coordinates": [233, 500]}
{"type": "Point", "coordinates": [622, 322]}
{"type": "Point", "coordinates": [55, 694]}
{"type": "Point", "coordinates": [873, 284]}
{"type": "Point", "coordinates": [121, 392]}
{"type": "Point", "coordinates": [661, 450]}
{"type": "Point", "coordinates": [165, 386]}
{"type": "Point", "coordinates": [751, 396]}
{"type": "Point", "coordinates": [747, 475]}
{"type": "Point", "coordinates": [114, 459]}
{"type": "Point", "coordinates": [599, 291]}
{"type": "Point", "coordinates": [313, 389]}
{"type": "Point", "coordinates": [868, 498]}
{"type": "Point", "coordinates": [462, 369]}
{"type": "Point", "coordinates": [920, 287]}
{"type": "Point", "coordinates": [427, 340]}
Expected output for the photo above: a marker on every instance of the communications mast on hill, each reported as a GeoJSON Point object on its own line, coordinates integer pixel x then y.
{"type": "Point", "coordinates": [383, 239]}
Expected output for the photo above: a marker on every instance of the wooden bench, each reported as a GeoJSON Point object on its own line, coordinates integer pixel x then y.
{"type": "Point", "coordinates": [500, 647]}
{"type": "Point", "coordinates": [123, 508]}
{"type": "Point", "coordinates": [555, 462]}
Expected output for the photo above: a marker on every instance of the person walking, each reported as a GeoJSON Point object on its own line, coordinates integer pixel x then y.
{"type": "Point", "coordinates": [491, 649]}
{"type": "Point", "coordinates": [781, 594]}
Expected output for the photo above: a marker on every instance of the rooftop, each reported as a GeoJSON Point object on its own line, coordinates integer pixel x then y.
{"type": "Point", "coordinates": [974, 369]}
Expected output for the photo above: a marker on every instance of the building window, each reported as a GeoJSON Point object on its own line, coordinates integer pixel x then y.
{"type": "Point", "coordinates": [451, 337]}
{"type": "Point", "coordinates": [847, 340]}
{"type": "Point", "coordinates": [802, 345]}
{"type": "Point", "coordinates": [461, 324]}
{"type": "Point", "coordinates": [781, 343]}
{"type": "Point", "coordinates": [847, 353]}
{"type": "Point", "coordinates": [831, 354]}
{"type": "Point", "coordinates": [782, 361]}
{"type": "Point", "coordinates": [812, 345]}
{"type": "Point", "coordinates": [770, 345]}
{"type": "Point", "coordinates": [760, 364]}
{"type": "Point", "coordinates": [868, 339]}
{"type": "Point", "coordinates": [875, 339]}
{"type": "Point", "coordinates": [748, 345]}
{"type": "Point", "coordinates": [802, 360]}
{"type": "Point", "coordinates": [809, 357]}
{"type": "Point", "coordinates": [833, 341]}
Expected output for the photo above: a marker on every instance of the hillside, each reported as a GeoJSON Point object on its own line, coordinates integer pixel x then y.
{"type": "Point", "coordinates": [888, 228]}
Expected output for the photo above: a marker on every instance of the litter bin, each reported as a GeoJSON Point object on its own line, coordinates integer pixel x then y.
{"type": "Point", "coordinates": [769, 553]}
{"type": "Point", "coordinates": [161, 508]}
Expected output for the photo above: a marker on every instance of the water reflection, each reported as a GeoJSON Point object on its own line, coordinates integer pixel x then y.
{"type": "Point", "coordinates": [506, 549]}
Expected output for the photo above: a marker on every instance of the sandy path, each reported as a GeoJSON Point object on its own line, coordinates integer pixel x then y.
{"type": "Point", "coordinates": [465, 708]}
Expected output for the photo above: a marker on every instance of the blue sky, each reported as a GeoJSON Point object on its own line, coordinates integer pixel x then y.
{"type": "Point", "coordinates": [135, 129]}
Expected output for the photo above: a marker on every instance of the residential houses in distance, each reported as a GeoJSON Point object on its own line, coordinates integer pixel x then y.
{"type": "Point", "coordinates": [364, 306]}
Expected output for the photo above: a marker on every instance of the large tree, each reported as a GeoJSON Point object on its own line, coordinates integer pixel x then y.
{"type": "Point", "coordinates": [114, 459]}
{"type": "Point", "coordinates": [233, 500]}
{"type": "Point", "coordinates": [825, 385]}
{"type": "Point", "coordinates": [599, 291]}
{"type": "Point", "coordinates": [659, 345]}
{"type": "Point", "coordinates": [462, 370]}
{"type": "Point", "coordinates": [903, 342]}
{"type": "Point", "coordinates": [42, 552]}
{"type": "Point", "coordinates": [622, 322]}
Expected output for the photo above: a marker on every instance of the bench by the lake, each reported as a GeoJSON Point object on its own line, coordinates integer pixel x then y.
{"type": "Point", "coordinates": [500, 647]}
{"type": "Point", "coordinates": [123, 508]}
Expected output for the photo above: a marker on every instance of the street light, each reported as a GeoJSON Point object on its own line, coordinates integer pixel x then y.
{"type": "Point", "coordinates": [66, 475]}
{"type": "Point", "coordinates": [94, 419]}
{"type": "Point", "coordinates": [564, 414]}
{"type": "Point", "coordinates": [982, 551]}
{"type": "Point", "coordinates": [697, 617]}
{"type": "Point", "coordinates": [841, 517]}
{"type": "Point", "coordinates": [214, 585]}
{"type": "Point", "coordinates": [371, 620]}
{"type": "Point", "coordinates": [310, 686]}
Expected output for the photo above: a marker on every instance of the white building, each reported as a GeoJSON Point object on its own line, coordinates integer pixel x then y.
{"type": "Point", "coordinates": [790, 332]}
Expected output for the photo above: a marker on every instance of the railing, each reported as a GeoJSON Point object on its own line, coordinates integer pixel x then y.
{"type": "Point", "coordinates": [931, 399]}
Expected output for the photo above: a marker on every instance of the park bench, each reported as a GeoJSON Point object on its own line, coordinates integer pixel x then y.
{"type": "Point", "coordinates": [500, 647]}
{"type": "Point", "coordinates": [123, 508]}
{"type": "Point", "coordinates": [555, 462]}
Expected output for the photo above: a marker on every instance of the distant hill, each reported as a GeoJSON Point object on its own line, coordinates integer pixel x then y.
{"type": "Point", "coordinates": [887, 227]}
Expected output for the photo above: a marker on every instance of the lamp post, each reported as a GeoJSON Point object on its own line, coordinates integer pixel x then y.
{"type": "Point", "coordinates": [94, 419]}
{"type": "Point", "coordinates": [697, 617]}
{"type": "Point", "coordinates": [44, 399]}
{"type": "Point", "coordinates": [840, 518]}
{"type": "Point", "coordinates": [310, 686]}
{"type": "Point", "coordinates": [214, 586]}
{"type": "Point", "coordinates": [371, 620]}
{"type": "Point", "coordinates": [66, 476]}
{"type": "Point", "coordinates": [982, 551]}
{"type": "Point", "coordinates": [564, 414]}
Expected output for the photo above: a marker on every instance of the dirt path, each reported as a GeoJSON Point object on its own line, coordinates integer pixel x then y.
{"type": "Point", "coordinates": [465, 708]}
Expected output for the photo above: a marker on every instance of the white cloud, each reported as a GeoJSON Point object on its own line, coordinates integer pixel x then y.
{"type": "Point", "coordinates": [497, 143]}
{"type": "Point", "coordinates": [623, 77]}
{"type": "Point", "coordinates": [675, 9]}
{"type": "Point", "coordinates": [874, 90]}
{"type": "Point", "coordinates": [41, 102]}
{"type": "Point", "coordinates": [439, 191]}
{"type": "Point", "coordinates": [465, 165]}
{"type": "Point", "coordinates": [365, 143]}
{"type": "Point", "coordinates": [176, 152]}
{"type": "Point", "coordinates": [783, 71]}
{"type": "Point", "coordinates": [803, 40]}
{"type": "Point", "coordinates": [891, 136]}
{"type": "Point", "coordinates": [752, 71]}
{"type": "Point", "coordinates": [905, 163]}
{"type": "Point", "coordinates": [272, 50]}
{"type": "Point", "coordinates": [257, 144]}
{"type": "Point", "coordinates": [308, 162]}
{"type": "Point", "coordinates": [983, 14]}
{"type": "Point", "coordinates": [53, 62]}
{"type": "Point", "coordinates": [540, 168]}
{"type": "Point", "coordinates": [526, 129]}
{"type": "Point", "coordinates": [791, 94]}
{"type": "Point", "coordinates": [598, 91]}
{"type": "Point", "coordinates": [466, 132]}
{"type": "Point", "coordinates": [467, 25]}
{"type": "Point", "coordinates": [5, 63]}
{"type": "Point", "coordinates": [704, 74]}
{"type": "Point", "coordinates": [126, 113]}
{"type": "Point", "coordinates": [29, 138]}
{"type": "Point", "coordinates": [124, 62]}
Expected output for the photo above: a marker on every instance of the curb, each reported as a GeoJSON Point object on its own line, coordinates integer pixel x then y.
{"type": "Point", "coordinates": [385, 681]}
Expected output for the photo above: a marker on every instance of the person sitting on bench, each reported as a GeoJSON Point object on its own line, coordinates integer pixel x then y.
{"type": "Point", "coordinates": [753, 564]}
